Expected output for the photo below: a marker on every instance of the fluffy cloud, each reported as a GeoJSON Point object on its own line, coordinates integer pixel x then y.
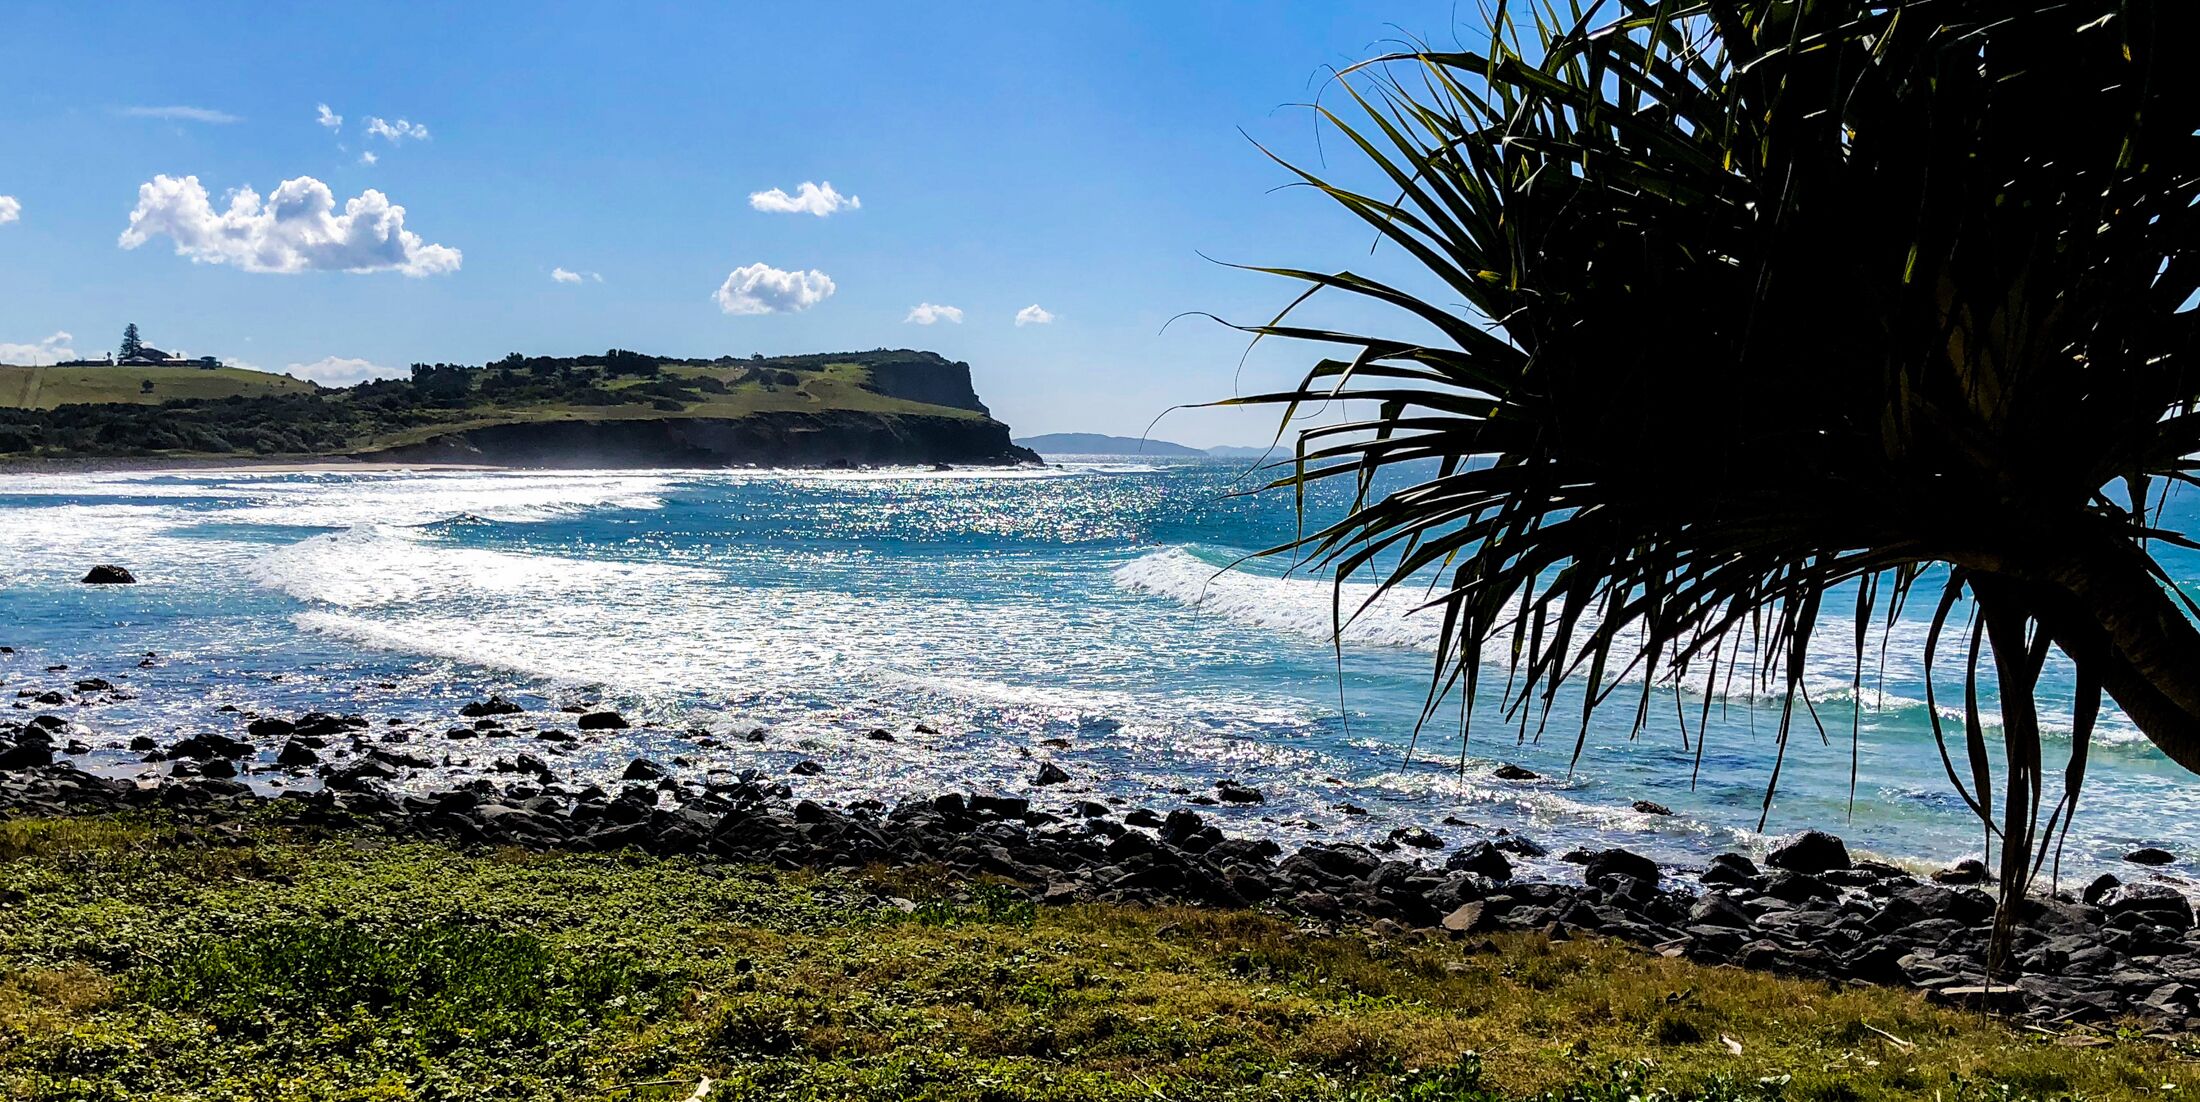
{"type": "Point", "coordinates": [52, 350]}
{"type": "Point", "coordinates": [563, 276]}
{"type": "Point", "coordinates": [1034, 314]}
{"type": "Point", "coordinates": [368, 157]}
{"type": "Point", "coordinates": [762, 289]}
{"type": "Point", "coordinates": [809, 198]}
{"type": "Point", "coordinates": [328, 118]}
{"type": "Point", "coordinates": [342, 371]}
{"type": "Point", "coordinates": [295, 230]}
{"type": "Point", "coordinates": [925, 313]}
{"type": "Point", "coordinates": [181, 114]}
{"type": "Point", "coordinates": [396, 131]}
{"type": "Point", "coordinates": [11, 209]}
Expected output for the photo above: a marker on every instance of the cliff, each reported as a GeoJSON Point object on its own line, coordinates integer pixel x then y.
{"type": "Point", "coordinates": [779, 439]}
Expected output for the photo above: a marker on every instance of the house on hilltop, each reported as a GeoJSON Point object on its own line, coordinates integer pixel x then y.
{"type": "Point", "coordinates": [136, 353]}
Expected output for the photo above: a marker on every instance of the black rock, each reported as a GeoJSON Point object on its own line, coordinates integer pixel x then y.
{"type": "Point", "coordinates": [2099, 888]}
{"type": "Point", "coordinates": [218, 768]}
{"type": "Point", "coordinates": [1970, 870]}
{"type": "Point", "coordinates": [1812, 851]}
{"type": "Point", "coordinates": [643, 769]}
{"type": "Point", "coordinates": [1180, 825]}
{"type": "Point", "coordinates": [94, 685]}
{"type": "Point", "coordinates": [884, 735]}
{"type": "Point", "coordinates": [494, 706]}
{"type": "Point", "coordinates": [1231, 792]}
{"type": "Point", "coordinates": [1619, 862]}
{"type": "Point", "coordinates": [1510, 772]}
{"type": "Point", "coordinates": [2150, 855]}
{"type": "Point", "coordinates": [108, 574]}
{"type": "Point", "coordinates": [1651, 807]}
{"type": "Point", "coordinates": [1481, 859]}
{"type": "Point", "coordinates": [24, 755]}
{"type": "Point", "coordinates": [603, 721]}
{"type": "Point", "coordinates": [270, 728]}
{"type": "Point", "coordinates": [1050, 773]}
{"type": "Point", "coordinates": [142, 743]}
{"type": "Point", "coordinates": [1088, 809]}
{"type": "Point", "coordinates": [210, 745]}
{"type": "Point", "coordinates": [297, 753]}
{"type": "Point", "coordinates": [1416, 837]}
{"type": "Point", "coordinates": [807, 769]}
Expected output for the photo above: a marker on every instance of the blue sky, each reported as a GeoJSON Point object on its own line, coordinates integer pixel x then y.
{"type": "Point", "coordinates": [1076, 157]}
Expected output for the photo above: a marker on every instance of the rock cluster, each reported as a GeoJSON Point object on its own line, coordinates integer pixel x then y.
{"type": "Point", "coordinates": [1808, 911]}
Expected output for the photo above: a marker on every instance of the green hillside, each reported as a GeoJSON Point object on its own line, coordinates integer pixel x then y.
{"type": "Point", "coordinates": [48, 387]}
{"type": "Point", "coordinates": [106, 411]}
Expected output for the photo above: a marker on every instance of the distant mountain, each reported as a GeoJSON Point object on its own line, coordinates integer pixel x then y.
{"type": "Point", "coordinates": [1093, 443]}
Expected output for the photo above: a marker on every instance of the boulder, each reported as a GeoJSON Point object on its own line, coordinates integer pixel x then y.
{"type": "Point", "coordinates": [24, 755]}
{"type": "Point", "coordinates": [2150, 855]}
{"type": "Point", "coordinates": [807, 769]}
{"type": "Point", "coordinates": [1510, 772]}
{"type": "Point", "coordinates": [94, 685]}
{"type": "Point", "coordinates": [1652, 807]}
{"type": "Point", "coordinates": [1232, 792]}
{"type": "Point", "coordinates": [1050, 773]}
{"type": "Point", "coordinates": [643, 769]}
{"type": "Point", "coordinates": [603, 721]}
{"type": "Point", "coordinates": [1970, 870]}
{"type": "Point", "coordinates": [297, 753]}
{"type": "Point", "coordinates": [1619, 862]}
{"type": "Point", "coordinates": [270, 728]}
{"type": "Point", "coordinates": [109, 574]}
{"type": "Point", "coordinates": [1416, 837]}
{"type": "Point", "coordinates": [494, 706]}
{"type": "Point", "coordinates": [1812, 851]}
{"type": "Point", "coordinates": [1481, 859]}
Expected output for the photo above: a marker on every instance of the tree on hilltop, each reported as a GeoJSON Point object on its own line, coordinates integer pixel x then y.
{"type": "Point", "coordinates": [131, 345]}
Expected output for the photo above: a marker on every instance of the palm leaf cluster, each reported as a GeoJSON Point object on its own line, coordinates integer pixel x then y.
{"type": "Point", "coordinates": [1770, 311]}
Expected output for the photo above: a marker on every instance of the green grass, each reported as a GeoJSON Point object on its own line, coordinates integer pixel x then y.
{"type": "Point", "coordinates": [47, 387]}
{"type": "Point", "coordinates": [146, 963]}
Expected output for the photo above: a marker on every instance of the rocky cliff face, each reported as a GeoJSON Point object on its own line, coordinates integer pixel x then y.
{"type": "Point", "coordinates": [927, 377]}
{"type": "Point", "coordinates": [839, 438]}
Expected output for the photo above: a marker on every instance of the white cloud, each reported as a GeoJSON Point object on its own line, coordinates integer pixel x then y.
{"type": "Point", "coordinates": [563, 276]}
{"type": "Point", "coordinates": [295, 230]}
{"type": "Point", "coordinates": [809, 198]}
{"type": "Point", "coordinates": [342, 371]}
{"type": "Point", "coordinates": [1034, 314]}
{"type": "Point", "coordinates": [181, 114]}
{"type": "Point", "coordinates": [762, 289]}
{"type": "Point", "coordinates": [925, 313]}
{"type": "Point", "coordinates": [368, 157]}
{"type": "Point", "coordinates": [396, 131]}
{"type": "Point", "coordinates": [329, 118]}
{"type": "Point", "coordinates": [52, 350]}
{"type": "Point", "coordinates": [11, 209]}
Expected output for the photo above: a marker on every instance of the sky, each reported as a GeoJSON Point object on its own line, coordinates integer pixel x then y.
{"type": "Point", "coordinates": [1038, 189]}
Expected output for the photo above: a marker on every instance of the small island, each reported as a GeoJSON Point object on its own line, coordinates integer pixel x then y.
{"type": "Point", "coordinates": [615, 409]}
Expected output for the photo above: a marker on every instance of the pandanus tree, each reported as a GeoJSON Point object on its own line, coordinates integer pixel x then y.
{"type": "Point", "coordinates": [1755, 313]}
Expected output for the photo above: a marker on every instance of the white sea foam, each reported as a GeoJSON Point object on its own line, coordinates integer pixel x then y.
{"type": "Point", "coordinates": [1299, 606]}
{"type": "Point", "coordinates": [380, 565]}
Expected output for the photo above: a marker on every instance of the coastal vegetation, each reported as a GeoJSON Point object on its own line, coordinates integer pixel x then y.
{"type": "Point", "coordinates": [73, 412]}
{"type": "Point", "coordinates": [1779, 315]}
{"type": "Point", "coordinates": [150, 959]}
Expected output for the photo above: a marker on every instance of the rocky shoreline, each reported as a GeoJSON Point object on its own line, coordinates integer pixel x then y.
{"type": "Point", "coordinates": [2117, 950]}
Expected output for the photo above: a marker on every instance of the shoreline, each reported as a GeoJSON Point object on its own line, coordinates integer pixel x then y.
{"type": "Point", "coordinates": [1809, 910]}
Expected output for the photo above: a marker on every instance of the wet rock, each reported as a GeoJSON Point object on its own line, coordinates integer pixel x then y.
{"type": "Point", "coordinates": [1180, 825]}
{"type": "Point", "coordinates": [2150, 855]}
{"type": "Point", "coordinates": [2099, 888]}
{"type": "Point", "coordinates": [603, 721]}
{"type": "Point", "coordinates": [1088, 809]}
{"type": "Point", "coordinates": [1510, 772]}
{"type": "Point", "coordinates": [270, 728]}
{"type": "Point", "coordinates": [1050, 773]}
{"type": "Point", "coordinates": [101, 685]}
{"type": "Point", "coordinates": [24, 755]}
{"type": "Point", "coordinates": [219, 768]}
{"type": "Point", "coordinates": [1352, 809]}
{"type": "Point", "coordinates": [51, 697]}
{"type": "Point", "coordinates": [1970, 870]}
{"type": "Point", "coordinates": [1231, 792]}
{"type": "Point", "coordinates": [494, 706]}
{"type": "Point", "coordinates": [807, 769]}
{"type": "Point", "coordinates": [210, 745]}
{"type": "Point", "coordinates": [295, 753]}
{"type": "Point", "coordinates": [109, 574]}
{"type": "Point", "coordinates": [2159, 903]}
{"type": "Point", "coordinates": [881, 734]}
{"type": "Point", "coordinates": [1651, 807]}
{"type": "Point", "coordinates": [1482, 859]}
{"type": "Point", "coordinates": [1416, 837]}
{"type": "Point", "coordinates": [643, 769]}
{"type": "Point", "coordinates": [1812, 851]}
{"type": "Point", "coordinates": [1619, 862]}
{"type": "Point", "coordinates": [142, 743]}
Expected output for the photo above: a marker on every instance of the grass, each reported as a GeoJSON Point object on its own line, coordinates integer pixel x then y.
{"type": "Point", "coordinates": [142, 962]}
{"type": "Point", "coordinates": [47, 387]}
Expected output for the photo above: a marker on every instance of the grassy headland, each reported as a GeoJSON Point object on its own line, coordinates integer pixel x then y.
{"type": "Point", "coordinates": [139, 960]}
{"type": "Point", "coordinates": [78, 412]}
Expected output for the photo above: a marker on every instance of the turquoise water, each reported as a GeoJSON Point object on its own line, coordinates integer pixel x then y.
{"type": "Point", "coordinates": [1001, 609]}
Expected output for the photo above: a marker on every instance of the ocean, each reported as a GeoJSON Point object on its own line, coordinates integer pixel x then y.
{"type": "Point", "coordinates": [1082, 614]}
